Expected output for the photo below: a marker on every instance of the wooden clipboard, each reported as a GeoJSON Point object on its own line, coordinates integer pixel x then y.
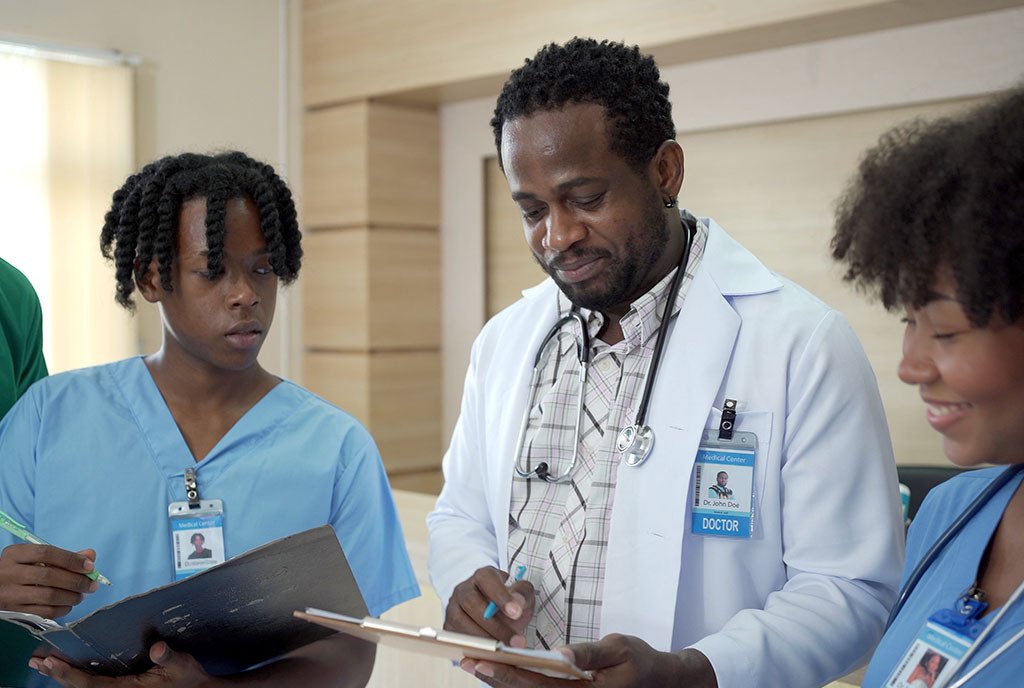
{"type": "Point", "coordinates": [446, 644]}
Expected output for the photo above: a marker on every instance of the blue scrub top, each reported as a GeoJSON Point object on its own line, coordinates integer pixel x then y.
{"type": "Point", "coordinates": [949, 576]}
{"type": "Point", "coordinates": [92, 459]}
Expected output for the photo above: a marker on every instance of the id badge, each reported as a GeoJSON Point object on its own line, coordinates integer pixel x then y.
{"type": "Point", "coordinates": [197, 536]}
{"type": "Point", "coordinates": [935, 655]}
{"type": "Point", "coordinates": [723, 494]}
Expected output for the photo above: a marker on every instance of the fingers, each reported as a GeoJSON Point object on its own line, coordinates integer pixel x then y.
{"type": "Point", "coordinates": [505, 676]}
{"type": "Point", "coordinates": [74, 562]}
{"type": "Point", "coordinates": [178, 668]}
{"type": "Point", "coordinates": [490, 584]}
{"type": "Point", "coordinates": [466, 608]}
{"type": "Point", "coordinates": [66, 675]}
{"type": "Point", "coordinates": [44, 580]}
{"type": "Point", "coordinates": [591, 655]}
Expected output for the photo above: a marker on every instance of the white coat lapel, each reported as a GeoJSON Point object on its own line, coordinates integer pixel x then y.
{"type": "Point", "coordinates": [649, 517]}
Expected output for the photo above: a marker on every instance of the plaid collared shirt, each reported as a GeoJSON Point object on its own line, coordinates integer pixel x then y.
{"type": "Point", "coordinates": [559, 530]}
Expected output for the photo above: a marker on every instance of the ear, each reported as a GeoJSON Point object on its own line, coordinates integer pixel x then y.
{"type": "Point", "coordinates": [667, 168]}
{"type": "Point", "coordinates": [149, 282]}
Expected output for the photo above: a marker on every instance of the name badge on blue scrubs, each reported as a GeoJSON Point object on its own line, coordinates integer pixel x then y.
{"type": "Point", "coordinates": [723, 495]}
{"type": "Point", "coordinates": [197, 531]}
{"type": "Point", "coordinates": [937, 651]}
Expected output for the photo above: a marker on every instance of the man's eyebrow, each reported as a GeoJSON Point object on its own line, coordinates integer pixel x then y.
{"type": "Point", "coordinates": [561, 188]}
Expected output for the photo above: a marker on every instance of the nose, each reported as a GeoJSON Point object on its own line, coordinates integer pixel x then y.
{"type": "Point", "coordinates": [562, 229]}
{"type": "Point", "coordinates": [916, 367]}
{"type": "Point", "coordinates": [241, 291]}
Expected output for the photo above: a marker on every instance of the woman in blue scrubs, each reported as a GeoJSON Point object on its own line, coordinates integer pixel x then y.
{"type": "Point", "coordinates": [933, 224]}
{"type": "Point", "coordinates": [94, 460]}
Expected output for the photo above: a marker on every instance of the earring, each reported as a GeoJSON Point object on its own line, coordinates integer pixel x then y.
{"type": "Point", "coordinates": [670, 203]}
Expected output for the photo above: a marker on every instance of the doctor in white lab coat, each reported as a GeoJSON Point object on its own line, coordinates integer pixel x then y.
{"type": "Point", "coordinates": [802, 600]}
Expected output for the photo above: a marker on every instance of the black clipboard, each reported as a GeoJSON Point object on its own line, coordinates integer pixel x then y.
{"type": "Point", "coordinates": [229, 617]}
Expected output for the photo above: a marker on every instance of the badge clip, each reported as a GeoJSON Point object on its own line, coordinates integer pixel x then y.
{"type": "Point", "coordinates": [725, 427]}
{"type": "Point", "coordinates": [191, 488]}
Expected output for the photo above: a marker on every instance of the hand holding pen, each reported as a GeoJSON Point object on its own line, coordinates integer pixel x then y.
{"type": "Point", "coordinates": [492, 607]}
{"type": "Point", "coordinates": [38, 578]}
{"type": "Point", "coordinates": [511, 598]}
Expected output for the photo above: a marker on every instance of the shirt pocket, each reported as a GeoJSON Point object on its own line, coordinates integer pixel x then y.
{"type": "Point", "coordinates": [759, 423]}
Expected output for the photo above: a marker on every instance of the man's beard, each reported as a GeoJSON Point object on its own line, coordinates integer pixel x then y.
{"type": "Point", "coordinates": [624, 274]}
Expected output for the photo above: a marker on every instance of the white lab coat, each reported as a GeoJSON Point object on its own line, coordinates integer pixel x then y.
{"type": "Point", "coordinates": [801, 602]}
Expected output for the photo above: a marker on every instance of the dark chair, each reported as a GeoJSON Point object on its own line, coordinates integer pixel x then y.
{"type": "Point", "coordinates": [920, 479]}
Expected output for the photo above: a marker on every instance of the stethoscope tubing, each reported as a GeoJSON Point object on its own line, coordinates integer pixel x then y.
{"type": "Point", "coordinates": [951, 532]}
{"type": "Point", "coordinates": [583, 352]}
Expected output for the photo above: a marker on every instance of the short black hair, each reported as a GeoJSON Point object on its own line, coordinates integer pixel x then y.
{"type": "Point", "coordinates": [197, 535]}
{"type": "Point", "coordinates": [142, 223]}
{"type": "Point", "coordinates": [620, 79]}
{"type": "Point", "coordinates": [932, 195]}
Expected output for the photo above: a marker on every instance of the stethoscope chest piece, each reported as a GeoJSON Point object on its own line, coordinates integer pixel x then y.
{"type": "Point", "coordinates": [635, 444]}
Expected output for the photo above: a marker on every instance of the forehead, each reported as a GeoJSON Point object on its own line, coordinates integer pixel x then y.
{"type": "Point", "coordinates": [557, 142]}
{"type": "Point", "coordinates": [241, 222]}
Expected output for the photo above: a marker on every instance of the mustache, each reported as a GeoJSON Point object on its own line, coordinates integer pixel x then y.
{"type": "Point", "coordinates": [560, 260]}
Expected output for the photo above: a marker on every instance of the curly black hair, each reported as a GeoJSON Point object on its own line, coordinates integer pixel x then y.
{"type": "Point", "coordinates": [945, 194]}
{"type": "Point", "coordinates": [623, 81]}
{"type": "Point", "coordinates": [142, 223]}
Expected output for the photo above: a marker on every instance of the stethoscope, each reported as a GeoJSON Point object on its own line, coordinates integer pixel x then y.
{"type": "Point", "coordinates": [936, 549]}
{"type": "Point", "coordinates": [636, 441]}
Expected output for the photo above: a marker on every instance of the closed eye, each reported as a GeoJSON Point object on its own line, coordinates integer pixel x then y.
{"type": "Point", "coordinates": [590, 202]}
{"type": "Point", "coordinates": [533, 214]}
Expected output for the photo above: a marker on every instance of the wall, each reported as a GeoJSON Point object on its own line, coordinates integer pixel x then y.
{"type": "Point", "coordinates": [212, 75]}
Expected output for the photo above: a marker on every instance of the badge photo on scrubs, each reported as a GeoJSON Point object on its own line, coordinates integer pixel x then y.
{"type": "Point", "coordinates": [941, 645]}
{"type": "Point", "coordinates": [197, 536]}
{"type": "Point", "coordinates": [723, 493]}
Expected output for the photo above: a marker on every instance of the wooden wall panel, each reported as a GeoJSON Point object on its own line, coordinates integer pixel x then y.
{"type": "Point", "coordinates": [369, 164]}
{"type": "Point", "coordinates": [336, 290]}
{"type": "Point", "coordinates": [342, 379]}
{"type": "Point", "coordinates": [405, 289]}
{"type": "Point", "coordinates": [396, 395]}
{"type": "Point", "coordinates": [405, 409]}
{"type": "Point", "coordinates": [404, 166]}
{"type": "Point", "coordinates": [355, 49]}
{"type": "Point", "coordinates": [372, 290]}
{"type": "Point", "coordinates": [334, 155]}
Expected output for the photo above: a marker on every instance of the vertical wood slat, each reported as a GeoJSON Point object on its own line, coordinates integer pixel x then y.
{"type": "Point", "coordinates": [395, 394]}
{"type": "Point", "coordinates": [372, 289]}
{"type": "Point", "coordinates": [369, 164]}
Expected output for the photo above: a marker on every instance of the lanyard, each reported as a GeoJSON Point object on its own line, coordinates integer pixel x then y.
{"type": "Point", "coordinates": [984, 635]}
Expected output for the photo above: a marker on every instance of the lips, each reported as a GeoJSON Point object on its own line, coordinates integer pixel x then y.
{"type": "Point", "coordinates": [245, 335]}
{"type": "Point", "coordinates": [580, 269]}
{"type": "Point", "coordinates": [939, 410]}
{"type": "Point", "coordinates": [943, 414]}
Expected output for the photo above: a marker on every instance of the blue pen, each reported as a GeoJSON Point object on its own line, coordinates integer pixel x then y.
{"type": "Point", "coordinates": [492, 608]}
{"type": "Point", "coordinates": [18, 530]}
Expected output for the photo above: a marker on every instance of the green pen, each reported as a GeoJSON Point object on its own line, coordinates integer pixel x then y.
{"type": "Point", "coordinates": [18, 530]}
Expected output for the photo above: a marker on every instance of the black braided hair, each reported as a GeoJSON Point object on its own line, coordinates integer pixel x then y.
{"type": "Point", "coordinates": [142, 223]}
{"type": "Point", "coordinates": [942, 194]}
{"type": "Point", "coordinates": [620, 79]}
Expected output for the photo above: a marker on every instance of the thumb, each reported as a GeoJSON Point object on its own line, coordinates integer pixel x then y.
{"type": "Point", "coordinates": [587, 655]}
{"type": "Point", "coordinates": [162, 654]}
